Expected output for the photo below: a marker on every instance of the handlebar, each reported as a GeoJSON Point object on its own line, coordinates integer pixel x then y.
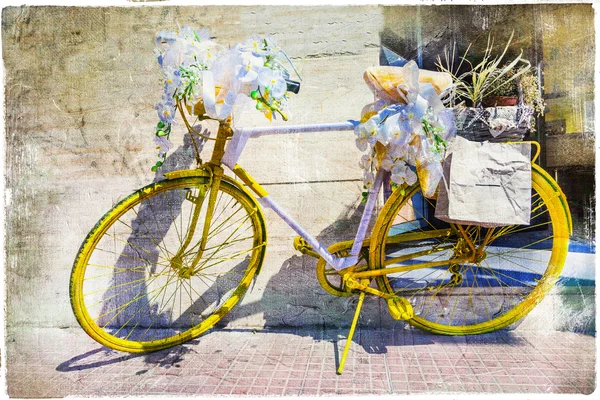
{"type": "Point", "coordinates": [292, 86]}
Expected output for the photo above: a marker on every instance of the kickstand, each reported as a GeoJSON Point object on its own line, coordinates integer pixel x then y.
{"type": "Point", "coordinates": [361, 298]}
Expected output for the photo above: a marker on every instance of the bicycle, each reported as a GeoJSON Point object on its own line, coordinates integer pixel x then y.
{"type": "Point", "coordinates": [169, 261]}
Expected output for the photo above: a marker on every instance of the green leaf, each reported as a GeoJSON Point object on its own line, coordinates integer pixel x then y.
{"type": "Point", "coordinates": [154, 168]}
{"type": "Point", "coordinates": [160, 125]}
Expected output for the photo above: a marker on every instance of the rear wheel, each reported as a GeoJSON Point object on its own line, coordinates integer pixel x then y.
{"type": "Point", "coordinates": [519, 266]}
{"type": "Point", "coordinates": [136, 287]}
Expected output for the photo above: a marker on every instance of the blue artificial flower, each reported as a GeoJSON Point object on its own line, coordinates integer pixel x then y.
{"type": "Point", "coordinates": [165, 36]}
{"type": "Point", "coordinates": [446, 118]}
{"type": "Point", "coordinates": [172, 80]}
{"type": "Point", "coordinates": [163, 145]}
{"type": "Point", "coordinates": [166, 111]}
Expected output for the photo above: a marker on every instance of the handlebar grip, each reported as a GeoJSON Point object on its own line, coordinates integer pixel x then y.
{"type": "Point", "coordinates": [293, 86]}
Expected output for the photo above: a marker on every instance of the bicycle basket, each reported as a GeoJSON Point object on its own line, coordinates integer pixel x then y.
{"type": "Point", "coordinates": [494, 124]}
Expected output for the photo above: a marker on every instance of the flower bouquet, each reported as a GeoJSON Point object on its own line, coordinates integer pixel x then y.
{"type": "Point", "coordinates": [406, 138]}
{"type": "Point", "coordinates": [206, 78]}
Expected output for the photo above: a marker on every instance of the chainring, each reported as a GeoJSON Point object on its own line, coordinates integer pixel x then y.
{"type": "Point", "coordinates": [328, 277]}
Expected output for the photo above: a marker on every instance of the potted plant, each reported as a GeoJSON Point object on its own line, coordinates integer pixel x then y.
{"type": "Point", "coordinates": [484, 78]}
{"type": "Point", "coordinates": [484, 84]}
{"type": "Point", "coordinates": [504, 92]}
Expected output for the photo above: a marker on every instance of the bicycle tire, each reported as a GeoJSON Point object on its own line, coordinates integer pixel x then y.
{"type": "Point", "coordinates": [123, 268]}
{"type": "Point", "coordinates": [497, 291]}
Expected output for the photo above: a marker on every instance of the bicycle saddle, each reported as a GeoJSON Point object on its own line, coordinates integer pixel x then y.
{"type": "Point", "coordinates": [384, 80]}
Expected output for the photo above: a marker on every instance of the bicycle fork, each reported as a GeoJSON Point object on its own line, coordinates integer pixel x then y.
{"type": "Point", "coordinates": [216, 175]}
{"type": "Point", "coordinates": [185, 271]}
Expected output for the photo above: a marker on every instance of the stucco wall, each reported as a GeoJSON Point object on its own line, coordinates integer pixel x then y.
{"type": "Point", "coordinates": [81, 84]}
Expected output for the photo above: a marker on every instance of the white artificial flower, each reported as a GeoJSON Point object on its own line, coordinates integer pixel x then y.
{"type": "Point", "coordinates": [366, 161]}
{"type": "Point", "coordinates": [247, 71]}
{"type": "Point", "coordinates": [395, 135]}
{"type": "Point", "coordinates": [401, 173]}
{"type": "Point", "coordinates": [397, 151]}
{"type": "Point", "coordinates": [369, 179]}
{"type": "Point", "coordinates": [260, 46]}
{"type": "Point", "coordinates": [273, 81]}
{"type": "Point", "coordinates": [366, 133]}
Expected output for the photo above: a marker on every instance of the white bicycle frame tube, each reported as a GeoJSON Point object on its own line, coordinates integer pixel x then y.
{"type": "Point", "coordinates": [241, 136]}
{"type": "Point", "coordinates": [235, 148]}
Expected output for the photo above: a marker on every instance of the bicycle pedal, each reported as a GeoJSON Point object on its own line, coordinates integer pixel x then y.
{"type": "Point", "coordinates": [303, 247]}
{"type": "Point", "coordinates": [400, 308]}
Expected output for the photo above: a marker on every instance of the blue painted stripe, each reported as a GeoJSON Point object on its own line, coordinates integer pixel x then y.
{"type": "Point", "coordinates": [482, 277]}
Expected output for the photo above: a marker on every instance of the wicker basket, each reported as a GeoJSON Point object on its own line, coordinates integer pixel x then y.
{"type": "Point", "coordinates": [474, 123]}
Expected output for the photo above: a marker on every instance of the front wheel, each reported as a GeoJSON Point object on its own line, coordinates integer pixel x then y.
{"type": "Point", "coordinates": [519, 266]}
{"type": "Point", "coordinates": [137, 284]}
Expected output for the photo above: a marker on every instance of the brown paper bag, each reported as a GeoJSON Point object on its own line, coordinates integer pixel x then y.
{"type": "Point", "coordinates": [486, 184]}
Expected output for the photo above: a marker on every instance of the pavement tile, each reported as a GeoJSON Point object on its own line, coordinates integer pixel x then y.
{"type": "Point", "coordinates": [417, 386]}
{"type": "Point", "coordinates": [454, 387]}
{"type": "Point", "coordinates": [310, 391]}
{"type": "Point", "coordinates": [463, 370]}
{"type": "Point", "coordinates": [257, 391]}
{"type": "Point", "coordinates": [480, 371]}
{"type": "Point", "coordinates": [311, 383]}
{"type": "Point", "coordinates": [472, 387]}
{"type": "Point", "coordinates": [415, 377]}
{"type": "Point", "coordinates": [446, 370]}
{"type": "Point", "coordinates": [245, 381]}
{"type": "Point", "coordinates": [297, 374]}
{"type": "Point", "coordinates": [313, 374]}
{"type": "Point", "coordinates": [587, 390]}
{"type": "Point", "coordinates": [294, 383]}
{"type": "Point", "coordinates": [277, 382]}
{"type": "Point", "coordinates": [564, 389]}
{"type": "Point", "coordinates": [452, 378]}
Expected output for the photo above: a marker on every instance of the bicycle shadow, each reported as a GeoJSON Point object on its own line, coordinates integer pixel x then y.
{"type": "Point", "coordinates": [142, 248]}
{"type": "Point", "coordinates": [127, 270]}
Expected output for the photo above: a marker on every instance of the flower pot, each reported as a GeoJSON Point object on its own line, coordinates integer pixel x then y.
{"type": "Point", "coordinates": [500, 101]}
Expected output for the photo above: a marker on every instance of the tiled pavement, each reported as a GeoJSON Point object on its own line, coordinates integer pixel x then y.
{"type": "Point", "coordinates": [60, 362]}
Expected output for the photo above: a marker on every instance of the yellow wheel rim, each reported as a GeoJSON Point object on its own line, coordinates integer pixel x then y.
{"type": "Point", "coordinates": [520, 266]}
{"type": "Point", "coordinates": [130, 293]}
